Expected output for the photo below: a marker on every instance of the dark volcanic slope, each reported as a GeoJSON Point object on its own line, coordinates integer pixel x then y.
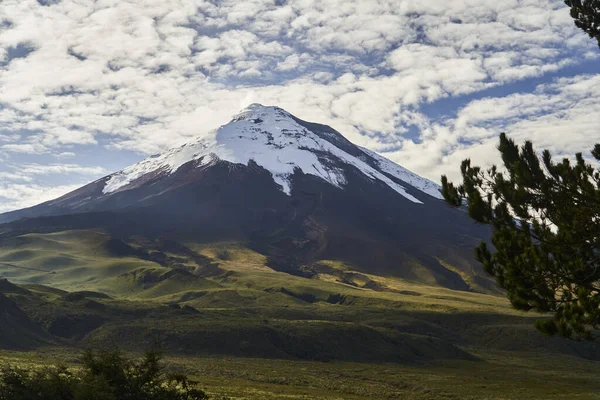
{"type": "Point", "coordinates": [351, 205]}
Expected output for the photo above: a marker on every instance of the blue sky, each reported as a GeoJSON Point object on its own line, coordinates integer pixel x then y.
{"type": "Point", "coordinates": [89, 87]}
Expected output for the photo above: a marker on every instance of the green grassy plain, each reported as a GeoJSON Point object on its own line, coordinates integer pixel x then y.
{"type": "Point", "coordinates": [495, 376]}
{"type": "Point", "coordinates": [246, 331]}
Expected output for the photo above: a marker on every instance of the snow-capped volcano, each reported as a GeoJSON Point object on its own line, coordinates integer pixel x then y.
{"type": "Point", "coordinates": [281, 144]}
{"type": "Point", "coordinates": [297, 192]}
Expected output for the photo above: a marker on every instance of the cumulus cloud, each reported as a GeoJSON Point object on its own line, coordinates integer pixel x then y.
{"type": "Point", "coordinates": [16, 196]}
{"type": "Point", "coordinates": [561, 116]}
{"type": "Point", "coordinates": [44, 169]}
{"type": "Point", "coordinates": [142, 76]}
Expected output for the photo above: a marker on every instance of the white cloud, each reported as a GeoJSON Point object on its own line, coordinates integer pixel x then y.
{"type": "Point", "coordinates": [290, 63]}
{"type": "Point", "coordinates": [562, 116]}
{"type": "Point", "coordinates": [16, 196]}
{"type": "Point", "coordinates": [24, 148]}
{"type": "Point", "coordinates": [44, 169]}
{"type": "Point", "coordinates": [143, 76]}
{"type": "Point", "coordinates": [65, 154]}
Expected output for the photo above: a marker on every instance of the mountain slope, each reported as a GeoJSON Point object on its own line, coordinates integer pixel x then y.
{"type": "Point", "coordinates": [295, 191]}
{"type": "Point", "coordinates": [267, 136]}
{"type": "Point", "coordinates": [17, 331]}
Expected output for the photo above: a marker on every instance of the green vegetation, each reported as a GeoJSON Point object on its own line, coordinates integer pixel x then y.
{"type": "Point", "coordinates": [493, 376]}
{"type": "Point", "coordinates": [586, 14]}
{"type": "Point", "coordinates": [102, 376]}
{"type": "Point", "coordinates": [245, 330]}
{"type": "Point", "coordinates": [70, 260]}
{"type": "Point", "coordinates": [545, 221]}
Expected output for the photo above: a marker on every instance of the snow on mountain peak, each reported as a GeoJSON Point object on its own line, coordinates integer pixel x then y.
{"type": "Point", "coordinates": [255, 109]}
{"type": "Point", "coordinates": [278, 142]}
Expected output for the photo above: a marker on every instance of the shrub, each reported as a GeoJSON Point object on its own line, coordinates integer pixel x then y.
{"type": "Point", "coordinates": [104, 376]}
{"type": "Point", "coordinates": [223, 254]}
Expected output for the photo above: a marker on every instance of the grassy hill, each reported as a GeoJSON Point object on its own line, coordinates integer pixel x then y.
{"type": "Point", "coordinates": [380, 336]}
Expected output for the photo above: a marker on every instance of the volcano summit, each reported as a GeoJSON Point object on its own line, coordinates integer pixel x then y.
{"type": "Point", "coordinates": [295, 191]}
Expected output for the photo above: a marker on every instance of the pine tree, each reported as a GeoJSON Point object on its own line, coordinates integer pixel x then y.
{"type": "Point", "coordinates": [586, 14]}
{"type": "Point", "coordinates": [545, 219]}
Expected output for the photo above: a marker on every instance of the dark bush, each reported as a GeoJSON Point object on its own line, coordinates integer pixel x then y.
{"type": "Point", "coordinates": [104, 376]}
{"type": "Point", "coordinates": [223, 254]}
